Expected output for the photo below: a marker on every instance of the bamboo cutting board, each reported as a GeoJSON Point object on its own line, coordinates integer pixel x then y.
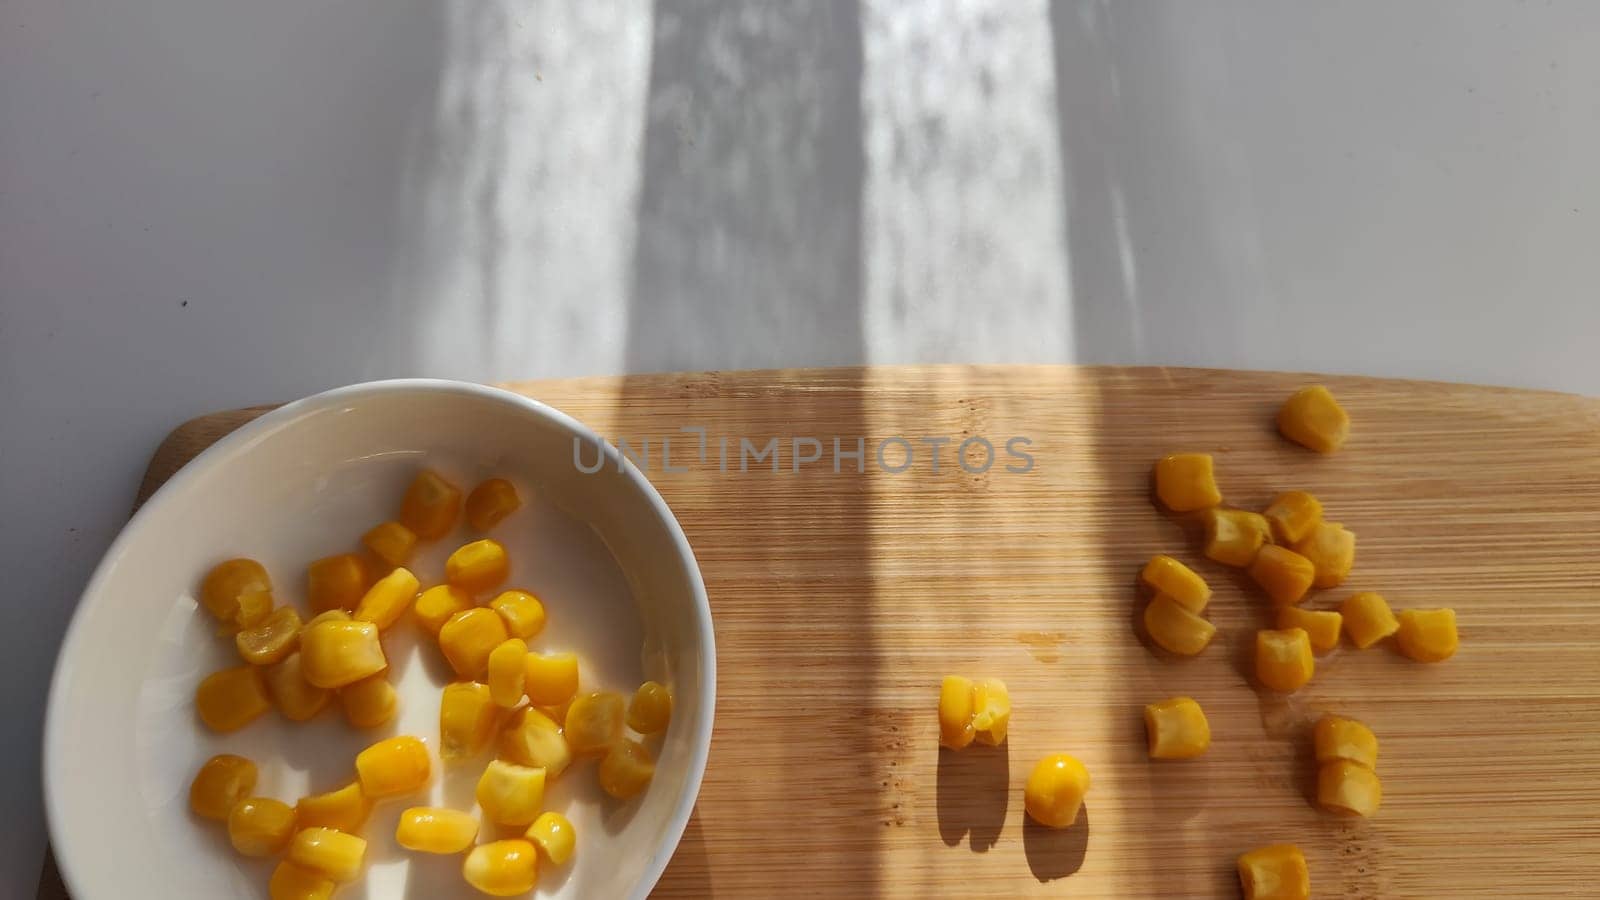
{"type": "Point", "coordinates": [840, 599]}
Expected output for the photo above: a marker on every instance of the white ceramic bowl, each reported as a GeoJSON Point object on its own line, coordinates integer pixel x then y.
{"type": "Point", "coordinates": [618, 580]}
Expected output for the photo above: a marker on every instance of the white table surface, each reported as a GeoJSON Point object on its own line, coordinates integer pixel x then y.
{"type": "Point", "coordinates": [213, 203]}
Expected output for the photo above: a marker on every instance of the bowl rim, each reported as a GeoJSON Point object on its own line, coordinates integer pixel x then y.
{"type": "Point", "coordinates": [230, 444]}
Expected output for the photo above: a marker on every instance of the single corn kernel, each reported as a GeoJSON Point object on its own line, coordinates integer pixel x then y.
{"type": "Point", "coordinates": [955, 712]}
{"type": "Point", "coordinates": [1283, 659]}
{"type": "Point", "coordinates": [337, 582]}
{"type": "Point", "coordinates": [436, 605]}
{"type": "Point", "coordinates": [332, 854]}
{"type": "Point", "coordinates": [222, 587]}
{"type": "Point", "coordinates": [523, 612]}
{"type": "Point", "coordinates": [1234, 536]}
{"type": "Point", "coordinates": [430, 506]}
{"type": "Point", "coordinates": [1055, 789]}
{"type": "Point", "coordinates": [1293, 515]}
{"type": "Point", "coordinates": [290, 882]}
{"type": "Point", "coordinates": [430, 829]}
{"type": "Point", "coordinates": [391, 542]}
{"type": "Point", "coordinates": [468, 639]}
{"type": "Point", "coordinates": [552, 678]}
{"type": "Point", "coordinates": [490, 502]}
{"type": "Point", "coordinates": [626, 769]}
{"type": "Point", "coordinates": [260, 826]}
{"type": "Point", "coordinates": [1176, 629]}
{"type": "Point", "coordinates": [507, 672]}
{"type": "Point", "coordinates": [1184, 482]}
{"type": "Point", "coordinates": [1322, 626]}
{"type": "Point", "coordinates": [532, 738]}
{"type": "Point", "coordinates": [231, 699]}
{"type": "Point", "coordinates": [511, 794]}
{"type": "Point", "coordinates": [369, 702]}
{"type": "Point", "coordinates": [554, 837]}
{"type": "Point", "coordinates": [466, 719]}
{"type": "Point", "coordinates": [991, 711]}
{"type": "Point", "coordinates": [1336, 738]}
{"type": "Point", "coordinates": [1312, 418]}
{"type": "Point", "coordinates": [222, 781]}
{"type": "Point", "coordinates": [295, 697]}
{"type": "Point", "coordinates": [1332, 551]}
{"type": "Point", "coordinates": [1367, 619]}
{"type": "Point", "coordinates": [650, 709]}
{"type": "Point", "coordinates": [387, 600]}
{"type": "Point", "coordinates": [1348, 788]}
{"type": "Point", "coordinates": [594, 722]}
{"type": "Point", "coordinates": [397, 765]}
{"type": "Point", "coordinates": [1427, 635]}
{"type": "Point", "coordinates": [254, 607]}
{"type": "Point", "coordinates": [1284, 574]}
{"type": "Point", "coordinates": [1165, 575]}
{"type": "Point", "coordinates": [478, 567]}
{"type": "Point", "coordinates": [1277, 872]}
{"type": "Point", "coordinates": [345, 809]}
{"type": "Point", "coordinates": [502, 868]}
{"type": "Point", "coordinates": [272, 640]}
{"type": "Point", "coordinates": [334, 653]}
{"type": "Point", "coordinates": [1177, 729]}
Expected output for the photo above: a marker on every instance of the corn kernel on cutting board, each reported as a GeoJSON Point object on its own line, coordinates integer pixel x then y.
{"type": "Point", "coordinates": [841, 598]}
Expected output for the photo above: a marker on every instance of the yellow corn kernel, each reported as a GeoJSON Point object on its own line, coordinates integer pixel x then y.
{"type": "Point", "coordinates": [991, 710]}
{"type": "Point", "coordinates": [1177, 729]}
{"type": "Point", "coordinates": [554, 837]}
{"type": "Point", "coordinates": [523, 612]}
{"type": "Point", "coordinates": [650, 709]}
{"type": "Point", "coordinates": [295, 697]}
{"type": "Point", "coordinates": [1234, 536]}
{"type": "Point", "coordinates": [1176, 629]}
{"type": "Point", "coordinates": [1427, 635]}
{"type": "Point", "coordinates": [431, 829]}
{"type": "Point", "coordinates": [430, 506]}
{"type": "Point", "coordinates": [345, 809]}
{"type": "Point", "coordinates": [1165, 575]}
{"type": "Point", "coordinates": [532, 738]}
{"type": "Point", "coordinates": [1312, 418]}
{"type": "Point", "coordinates": [369, 702]}
{"type": "Point", "coordinates": [466, 719]}
{"type": "Point", "coordinates": [222, 587]}
{"type": "Point", "coordinates": [334, 855]}
{"type": "Point", "coordinates": [254, 607]}
{"type": "Point", "coordinates": [511, 794]}
{"type": "Point", "coordinates": [1055, 789]}
{"type": "Point", "coordinates": [272, 640]}
{"type": "Point", "coordinates": [1367, 619]}
{"type": "Point", "coordinates": [626, 769]}
{"type": "Point", "coordinates": [1336, 737]}
{"type": "Point", "coordinates": [468, 639]}
{"type": "Point", "coordinates": [1321, 626]}
{"type": "Point", "coordinates": [1348, 788]}
{"type": "Point", "coordinates": [507, 672]}
{"type": "Point", "coordinates": [391, 542]}
{"type": "Point", "coordinates": [477, 567]}
{"type": "Point", "coordinates": [1283, 659]}
{"type": "Point", "coordinates": [594, 722]}
{"type": "Point", "coordinates": [1277, 872]}
{"type": "Point", "coordinates": [260, 826]}
{"type": "Point", "coordinates": [1284, 574]}
{"type": "Point", "coordinates": [387, 600]}
{"type": "Point", "coordinates": [397, 765]}
{"type": "Point", "coordinates": [1184, 482]}
{"type": "Point", "coordinates": [1332, 551]}
{"type": "Point", "coordinates": [552, 678]}
{"type": "Point", "coordinates": [337, 582]}
{"type": "Point", "coordinates": [436, 605]}
{"type": "Point", "coordinates": [231, 699]}
{"type": "Point", "coordinates": [290, 882]}
{"type": "Point", "coordinates": [334, 653]}
{"type": "Point", "coordinates": [490, 502]}
{"type": "Point", "coordinates": [1293, 514]}
{"type": "Point", "coordinates": [955, 712]}
{"type": "Point", "coordinates": [222, 781]}
{"type": "Point", "coordinates": [502, 868]}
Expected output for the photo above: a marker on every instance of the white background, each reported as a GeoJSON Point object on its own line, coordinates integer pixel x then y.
{"type": "Point", "coordinates": [213, 203]}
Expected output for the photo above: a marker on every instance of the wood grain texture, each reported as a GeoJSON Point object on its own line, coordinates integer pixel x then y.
{"type": "Point", "coordinates": [841, 599]}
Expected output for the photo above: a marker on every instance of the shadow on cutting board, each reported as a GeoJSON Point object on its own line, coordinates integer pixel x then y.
{"type": "Point", "coordinates": [1056, 852]}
